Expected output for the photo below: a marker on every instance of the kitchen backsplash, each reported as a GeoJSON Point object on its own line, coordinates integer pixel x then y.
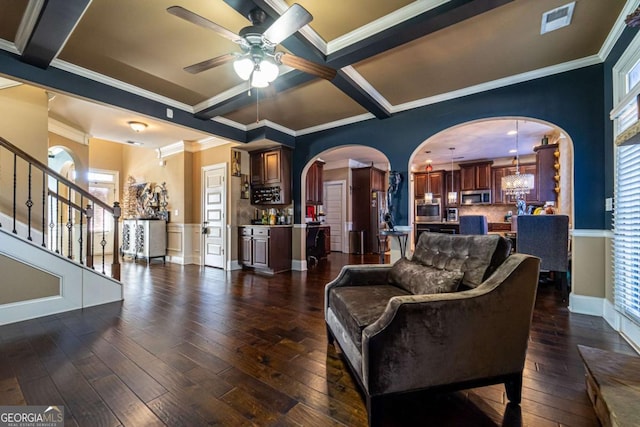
{"type": "Point", "coordinates": [493, 213]}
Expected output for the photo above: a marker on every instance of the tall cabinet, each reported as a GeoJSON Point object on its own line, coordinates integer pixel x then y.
{"type": "Point", "coordinates": [367, 184]}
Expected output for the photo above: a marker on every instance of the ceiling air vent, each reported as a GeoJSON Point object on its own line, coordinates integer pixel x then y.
{"type": "Point", "coordinates": [557, 18]}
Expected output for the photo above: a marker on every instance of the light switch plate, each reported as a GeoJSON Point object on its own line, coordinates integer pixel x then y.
{"type": "Point", "coordinates": [608, 204]}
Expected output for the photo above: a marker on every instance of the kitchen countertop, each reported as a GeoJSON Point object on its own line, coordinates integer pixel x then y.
{"type": "Point", "coordinates": [266, 225]}
{"type": "Point", "coordinates": [438, 222]}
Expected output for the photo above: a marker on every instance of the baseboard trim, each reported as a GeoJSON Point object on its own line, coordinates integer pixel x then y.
{"type": "Point", "coordinates": [299, 265]}
{"type": "Point", "coordinates": [610, 314]}
{"type": "Point", "coordinates": [581, 304]}
{"type": "Point", "coordinates": [234, 265]}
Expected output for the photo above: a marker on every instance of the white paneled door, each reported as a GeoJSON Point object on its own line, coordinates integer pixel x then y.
{"type": "Point", "coordinates": [335, 212]}
{"type": "Point", "coordinates": [213, 216]}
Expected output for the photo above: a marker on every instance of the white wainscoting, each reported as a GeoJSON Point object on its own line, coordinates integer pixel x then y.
{"type": "Point", "coordinates": [183, 243]}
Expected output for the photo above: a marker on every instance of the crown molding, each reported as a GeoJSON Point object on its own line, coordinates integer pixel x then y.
{"type": "Point", "coordinates": [27, 23]}
{"type": "Point", "coordinates": [69, 132]}
{"type": "Point", "coordinates": [211, 142]}
{"type": "Point", "coordinates": [272, 125]}
{"type": "Point", "coordinates": [221, 97]}
{"type": "Point", "coordinates": [496, 84]}
{"type": "Point", "coordinates": [335, 124]}
{"type": "Point", "coordinates": [407, 12]}
{"type": "Point", "coordinates": [366, 86]}
{"type": "Point", "coordinates": [9, 47]}
{"type": "Point", "coordinates": [7, 83]}
{"type": "Point", "coordinates": [228, 122]}
{"type": "Point", "coordinates": [619, 26]}
{"type": "Point", "coordinates": [118, 84]}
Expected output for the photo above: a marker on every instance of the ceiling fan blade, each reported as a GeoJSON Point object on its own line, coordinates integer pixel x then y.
{"type": "Point", "coordinates": [288, 23]}
{"type": "Point", "coordinates": [210, 63]}
{"type": "Point", "coordinates": [194, 18]}
{"type": "Point", "coordinates": [307, 66]}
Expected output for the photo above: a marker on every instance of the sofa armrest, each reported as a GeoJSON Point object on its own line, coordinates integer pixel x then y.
{"type": "Point", "coordinates": [423, 341]}
{"type": "Point", "coordinates": [358, 275]}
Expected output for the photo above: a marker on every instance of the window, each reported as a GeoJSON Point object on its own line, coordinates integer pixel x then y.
{"type": "Point", "coordinates": [626, 217]}
{"type": "Point", "coordinates": [103, 185]}
{"type": "Point", "coordinates": [626, 251]}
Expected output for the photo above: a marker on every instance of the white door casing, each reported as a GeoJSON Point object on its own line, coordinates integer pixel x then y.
{"type": "Point", "coordinates": [335, 210]}
{"type": "Point", "coordinates": [214, 205]}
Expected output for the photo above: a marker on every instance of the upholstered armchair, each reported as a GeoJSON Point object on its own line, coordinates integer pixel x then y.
{"type": "Point", "coordinates": [399, 336]}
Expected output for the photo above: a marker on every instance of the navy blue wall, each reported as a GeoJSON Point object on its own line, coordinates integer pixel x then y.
{"type": "Point", "coordinates": [574, 101]}
{"type": "Point", "coordinates": [617, 51]}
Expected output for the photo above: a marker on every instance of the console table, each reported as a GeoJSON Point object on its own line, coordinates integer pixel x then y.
{"type": "Point", "coordinates": [144, 238]}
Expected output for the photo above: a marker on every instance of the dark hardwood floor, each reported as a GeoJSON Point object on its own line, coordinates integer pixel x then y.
{"type": "Point", "coordinates": [192, 346]}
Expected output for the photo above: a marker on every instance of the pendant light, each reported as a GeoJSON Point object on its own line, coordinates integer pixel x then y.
{"type": "Point", "coordinates": [452, 196]}
{"type": "Point", "coordinates": [518, 184]}
{"type": "Point", "coordinates": [428, 196]}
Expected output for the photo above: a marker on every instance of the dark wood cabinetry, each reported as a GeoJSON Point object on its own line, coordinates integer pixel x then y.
{"type": "Point", "coordinates": [423, 182]}
{"type": "Point", "coordinates": [315, 184]}
{"type": "Point", "coordinates": [367, 181]}
{"type": "Point", "coordinates": [501, 171]}
{"type": "Point", "coordinates": [475, 176]}
{"type": "Point", "coordinates": [265, 248]}
{"type": "Point", "coordinates": [451, 183]}
{"type": "Point", "coordinates": [548, 176]}
{"type": "Point", "coordinates": [271, 177]}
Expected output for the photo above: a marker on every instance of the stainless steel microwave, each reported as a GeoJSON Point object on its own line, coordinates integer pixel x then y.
{"type": "Point", "coordinates": [475, 197]}
{"type": "Point", "coordinates": [428, 212]}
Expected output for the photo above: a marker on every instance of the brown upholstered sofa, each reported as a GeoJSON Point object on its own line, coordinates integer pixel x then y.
{"type": "Point", "coordinates": [398, 336]}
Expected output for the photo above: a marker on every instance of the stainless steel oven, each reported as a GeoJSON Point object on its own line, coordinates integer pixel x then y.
{"type": "Point", "coordinates": [428, 212]}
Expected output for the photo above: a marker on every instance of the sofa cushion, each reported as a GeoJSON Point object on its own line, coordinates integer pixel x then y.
{"type": "Point", "coordinates": [356, 307]}
{"type": "Point", "coordinates": [418, 279]}
{"type": "Point", "coordinates": [471, 254]}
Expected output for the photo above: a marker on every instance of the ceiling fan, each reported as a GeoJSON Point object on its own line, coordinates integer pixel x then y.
{"type": "Point", "coordinates": [258, 62]}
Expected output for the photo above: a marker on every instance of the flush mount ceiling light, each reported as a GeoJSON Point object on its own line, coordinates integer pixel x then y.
{"type": "Point", "coordinates": [517, 185]}
{"type": "Point", "coordinates": [137, 126]}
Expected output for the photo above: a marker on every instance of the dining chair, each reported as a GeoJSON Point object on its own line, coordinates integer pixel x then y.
{"type": "Point", "coordinates": [547, 237]}
{"type": "Point", "coordinates": [473, 224]}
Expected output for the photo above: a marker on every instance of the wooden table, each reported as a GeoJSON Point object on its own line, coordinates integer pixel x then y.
{"type": "Point", "coordinates": [612, 385]}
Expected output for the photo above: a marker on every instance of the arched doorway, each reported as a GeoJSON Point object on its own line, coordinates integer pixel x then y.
{"type": "Point", "coordinates": [336, 208]}
{"type": "Point", "coordinates": [494, 141]}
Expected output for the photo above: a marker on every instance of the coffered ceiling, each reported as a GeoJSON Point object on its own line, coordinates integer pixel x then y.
{"type": "Point", "coordinates": [390, 55]}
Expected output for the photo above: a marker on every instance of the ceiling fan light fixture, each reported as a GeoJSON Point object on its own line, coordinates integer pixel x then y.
{"type": "Point", "coordinates": [269, 70]}
{"type": "Point", "coordinates": [243, 67]}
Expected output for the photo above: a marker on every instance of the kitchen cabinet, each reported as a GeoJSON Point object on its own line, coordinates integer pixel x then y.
{"type": "Point", "coordinates": [475, 176]}
{"type": "Point", "coordinates": [499, 198]}
{"type": "Point", "coordinates": [422, 182]}
{"type": "Point", "coordinates": [271, 177]}
{"type": "Point", "coordinates": [548, 178]}
{"type": "Point", "coordinates": [315, 184]}
{"type": "Point", "coordinates": [144, 238]}
{"type": "Point", "coordinates": [265, 248]}
{"type": "Point", "coordinates": [452, 183]}
{"type": "Point", "coordinates": [367, 182]}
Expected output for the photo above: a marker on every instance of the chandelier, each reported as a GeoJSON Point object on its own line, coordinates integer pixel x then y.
{"type": "Point", "coordinates": [452, 196]}
{"type": "Point", "coordinates": [518, 184]}
{"type": "Point", "coordinates": [428, 196]}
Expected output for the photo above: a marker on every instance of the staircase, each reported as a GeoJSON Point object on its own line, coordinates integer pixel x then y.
{"type": "Point", "coordinates": [52, 258]}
